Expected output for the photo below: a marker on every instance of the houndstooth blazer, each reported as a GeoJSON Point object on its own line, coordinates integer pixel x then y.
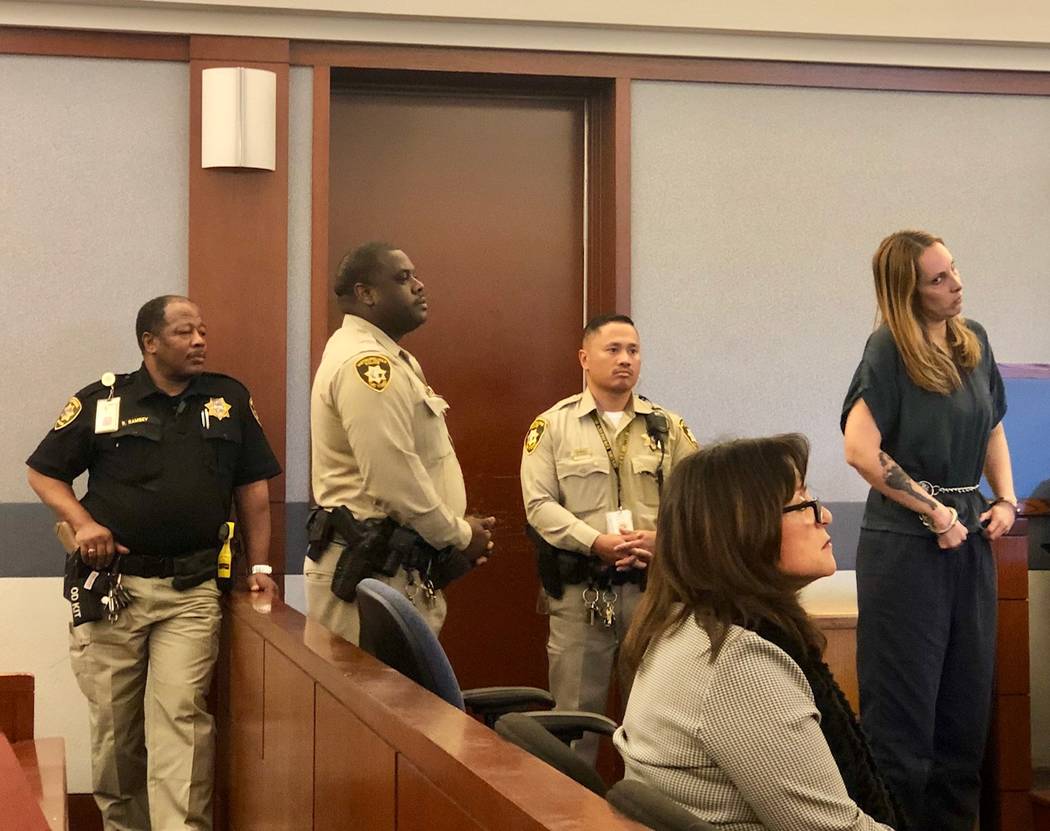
{"type": "Point", "coordinates": [737, 741]}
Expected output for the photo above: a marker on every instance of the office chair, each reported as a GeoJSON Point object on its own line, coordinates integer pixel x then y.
{"type": "Point", "coordinates": [529, 734]}
{"type": "Point", "coordinates": [648, 806]}
{"type": "Point", "coordinates": [636, 800]}
{"type": "Point", "coordinates": [393, 631]}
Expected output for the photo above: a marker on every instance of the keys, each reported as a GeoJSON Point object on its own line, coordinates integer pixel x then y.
{"type": "Point", "coordinates": [424, 589]}
{"type": "Point", "coordinates": [116, 599]}
{"type": "Point", "coordinates": [608, 603]}
{"type": "Point", "coordinates": [428, 591]}
{"type": "Point", "coordinates": [601, 606]}
{"type": "Point", "coordinates": [592, 601]}
{"type": "Point", "coordinates": [123, 595]}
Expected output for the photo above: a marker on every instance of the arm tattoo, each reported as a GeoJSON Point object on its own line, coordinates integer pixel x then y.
{"type": "Point", "coordinates": [897, 479]}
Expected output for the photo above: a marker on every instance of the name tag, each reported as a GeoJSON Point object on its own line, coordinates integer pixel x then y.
{"type": "Point", "coordinates": [617, 521]}
{"type": "Point", "coordinates": [107, 416]}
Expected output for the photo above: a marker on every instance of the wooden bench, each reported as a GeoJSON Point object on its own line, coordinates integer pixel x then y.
{"type": "Point", "coordinates": [32, 771]}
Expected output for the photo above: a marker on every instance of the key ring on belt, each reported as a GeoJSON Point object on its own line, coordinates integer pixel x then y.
{"type": "Point", "coordinates": [933, 489]}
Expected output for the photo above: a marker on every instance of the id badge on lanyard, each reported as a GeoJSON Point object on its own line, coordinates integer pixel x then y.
{"type": "Point", "coordinates": [107, 412]}
{"type": "Point", "coordinates": [619, 520]}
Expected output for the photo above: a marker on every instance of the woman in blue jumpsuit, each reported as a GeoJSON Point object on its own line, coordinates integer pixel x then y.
{"type": "Point", "coordinates": [922, 421]}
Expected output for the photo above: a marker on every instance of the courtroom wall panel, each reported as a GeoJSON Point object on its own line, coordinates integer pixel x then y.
{"type": "Point", "coordinates": [93, 159]}
{"type": "Point", "coordinates": [755, 213]}
{"type": "Point", "coordinates": [300, 185]}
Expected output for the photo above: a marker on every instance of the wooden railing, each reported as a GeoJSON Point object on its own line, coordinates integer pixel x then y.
{"type": "Point", "coordinates": [316, 734]}
{"type": "Point", "coordinates": [32, 771]}
{"type": "Point", "coordinates": [1005, 799]}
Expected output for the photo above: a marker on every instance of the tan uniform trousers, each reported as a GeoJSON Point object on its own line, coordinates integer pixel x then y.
{"type": "Point", "coordinates": [145, 678]}
{"type": "Point", "coordinates": [341, 617]}
{"type": "Point", "coordinates": [581, 656]}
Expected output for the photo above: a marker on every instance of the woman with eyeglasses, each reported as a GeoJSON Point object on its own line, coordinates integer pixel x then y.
{"type": "Point", "coordinates": [922, 420]}
{"type": "Point", "coordinates": [733, 714]}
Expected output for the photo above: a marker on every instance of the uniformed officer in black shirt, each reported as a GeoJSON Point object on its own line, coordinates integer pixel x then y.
{"type": "Point", "coordinates": [167, 448]}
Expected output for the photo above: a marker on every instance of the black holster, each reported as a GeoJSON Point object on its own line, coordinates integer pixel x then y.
{"type": "Point", "coordinates": [319, 532]}
{"type": "Point", "coordinates": [193, 569]}
{"type": "Point", "coordinates": [559, 568]}
{"type": "Point", "coordinates": [366, 551]}
{"type": "Point", "coordinates": [381, 546]}
{"type": "Point", "coordinates": [546, 564]}
{"type": "Point", "coordinates": [438, 565]}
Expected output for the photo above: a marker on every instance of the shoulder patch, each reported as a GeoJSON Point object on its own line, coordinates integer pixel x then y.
{"type": "Point", "coordinates": [688, 433]}
{"type": "Point", "coordinates": [374, 371]}
{"type": "Point", "coordinates": [532, 438]}
{"type": "Point", "coordinates": [69, 413]}
{"type": "Point", "coordinates": [251, 406]}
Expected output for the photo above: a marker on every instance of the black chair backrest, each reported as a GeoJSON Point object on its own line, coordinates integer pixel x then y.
{"type": "Point", "coordinates": [648, 806]}
{"type": "Point", "coordinates": [394, 632]}
{"type": "Point", "coordinates": [529, 735]}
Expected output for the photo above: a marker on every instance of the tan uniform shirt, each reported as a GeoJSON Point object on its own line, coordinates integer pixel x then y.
{"type": "Point", "coordinates": [379, 444]}
{"type": "Point", "coordinates": [567, 479]}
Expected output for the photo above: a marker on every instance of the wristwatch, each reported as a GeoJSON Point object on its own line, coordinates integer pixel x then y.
{"type": "Point", "coordinates": [262, 568]}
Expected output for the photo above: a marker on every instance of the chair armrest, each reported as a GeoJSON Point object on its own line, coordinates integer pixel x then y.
{"type": "Point", "coordinates": [645, 804]}
{"type": "Point", "coordinates": [569, 725]}
{"type": "Point", "coordinates": [492, 702]}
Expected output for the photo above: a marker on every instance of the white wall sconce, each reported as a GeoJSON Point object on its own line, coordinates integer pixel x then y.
{"type": "Point", "coordinates": [239, 118]}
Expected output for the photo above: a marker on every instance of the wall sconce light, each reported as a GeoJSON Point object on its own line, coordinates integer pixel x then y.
{"type": "Point", "coordinates": [239, 118]}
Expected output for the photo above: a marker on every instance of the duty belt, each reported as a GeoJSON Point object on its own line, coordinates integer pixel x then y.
{"type": "Point", "coordinates": [142, 565]}
{"type": "Point", "coordinates": [188, 570]}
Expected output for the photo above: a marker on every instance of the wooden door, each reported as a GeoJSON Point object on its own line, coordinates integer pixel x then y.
{"type": "Point", "coordinates": [485, 193]}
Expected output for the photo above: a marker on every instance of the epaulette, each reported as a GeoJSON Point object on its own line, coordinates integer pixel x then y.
{"type": "Point", "coordinates": [566, 402]}
{"type": "Point", "coordinates": [656, 407]}
{"type": "Point", "coordinates": [220, 376]}
{"type": "Point", "coordinates": [122, 380]}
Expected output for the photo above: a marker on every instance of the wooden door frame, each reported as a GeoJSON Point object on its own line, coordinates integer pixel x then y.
{"type": "Point", "coordinates": [607, 276]}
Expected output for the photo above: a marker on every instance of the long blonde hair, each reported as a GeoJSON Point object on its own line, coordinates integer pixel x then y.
{"type": "Point", "coordinates": [896, 270]}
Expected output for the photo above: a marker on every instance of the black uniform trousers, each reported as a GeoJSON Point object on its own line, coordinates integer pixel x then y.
{"type": "Point", "coordinates": [925, 659]}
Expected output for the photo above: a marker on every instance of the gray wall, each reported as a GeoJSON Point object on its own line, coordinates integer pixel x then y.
{"type": "Point", "coordinates": [755, 212]}
{"type": "Point", "coordinates": [93, 222]}
{"type": "Point", "coordinates": [297, 442]}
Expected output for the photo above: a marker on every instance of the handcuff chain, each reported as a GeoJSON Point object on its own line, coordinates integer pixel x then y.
{"type": "Point", "coordinates": [933, 489]}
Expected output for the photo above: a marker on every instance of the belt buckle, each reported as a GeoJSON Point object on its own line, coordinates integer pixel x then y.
{"type": "Point", "coordinates": [929, 487]}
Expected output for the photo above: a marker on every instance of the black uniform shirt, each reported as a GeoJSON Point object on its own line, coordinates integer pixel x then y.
{"type": "Point", "coordinates": [163, 481]}
{"type": "Point", "coordinates": [941, 439]}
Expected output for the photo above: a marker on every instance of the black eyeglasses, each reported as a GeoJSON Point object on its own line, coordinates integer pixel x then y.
{"type": "Point", "coordinates": [818, 509]}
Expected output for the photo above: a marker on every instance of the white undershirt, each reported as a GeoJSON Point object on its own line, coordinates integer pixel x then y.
{"type": "Point", "coordinates": [614, 418]}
